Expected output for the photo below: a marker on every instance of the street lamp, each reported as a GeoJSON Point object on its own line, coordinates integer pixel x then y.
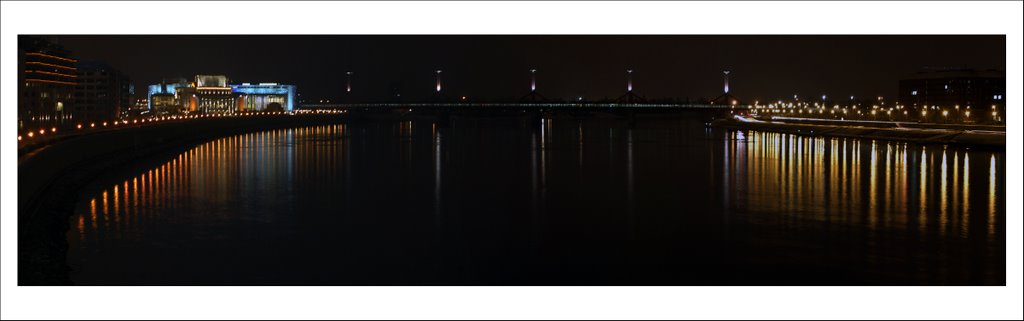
{"type": "Point", "coordinates": [438, 80]}
{"type": "Point", "coordinates": [348, 85]}
{"type": "Point", "coordinates": [533, 80]}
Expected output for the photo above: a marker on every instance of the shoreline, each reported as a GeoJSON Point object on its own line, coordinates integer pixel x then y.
{"type": "Point", "coordinates": [962, 137]}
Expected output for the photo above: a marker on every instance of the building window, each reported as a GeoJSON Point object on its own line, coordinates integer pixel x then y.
{"type": "Point", "coordinates": [913, 93]}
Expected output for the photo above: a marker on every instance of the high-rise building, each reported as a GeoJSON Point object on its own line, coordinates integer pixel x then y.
{"type": "Point", "coordinates": [46, 81]}
{"type": "Point", "coordinates": [102, 93]}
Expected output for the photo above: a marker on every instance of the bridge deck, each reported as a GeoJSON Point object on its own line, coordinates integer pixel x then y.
{"type": "Point", "coordinates": [518, 105]}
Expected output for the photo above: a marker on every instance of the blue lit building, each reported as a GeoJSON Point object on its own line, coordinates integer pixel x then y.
{"type": "Point", "coordinates": [258, 97]}
{"type": "Point", "coordinates": [213, 94]}
{"type": "Point", "coordinates": [163, 98]}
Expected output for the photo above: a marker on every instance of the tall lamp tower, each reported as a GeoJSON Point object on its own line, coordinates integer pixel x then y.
{"type": "Point", "coordinates": [629, 80]}
{"type": "Point", "coordinates": [629, 97]}
{"type": "Point", "coordinates": [533, 80]}
{"type": "Point", "coordinates": [438, 87]}
{"type": "Point", "coordinates": [533, 95]}
{"type": "Point", "coordinates": [725, 97]}
{"type": "Point", "coordinates": [348, 81]}
{"type": "Point", "coordinates": [725, 74]}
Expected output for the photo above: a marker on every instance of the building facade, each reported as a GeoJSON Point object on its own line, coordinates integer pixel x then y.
{"type": "Point", "coordinates": [47, 78]}
{"type": "Point", "coordinates": [266, 97]}
{"type": "Point", "coordinates": [102, 93]}
{"type": "Point", "coordinates": [140, 106]}
{"type": "Point", "coordinates": [955, 92]}
{"type": "Point", "coordinates": [167, 97]}
{"type": "Point", "coordinates": [213, 94]}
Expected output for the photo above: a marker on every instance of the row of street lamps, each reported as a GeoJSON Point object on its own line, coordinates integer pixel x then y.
{"type": "Point", "coordinates": [33, 135]}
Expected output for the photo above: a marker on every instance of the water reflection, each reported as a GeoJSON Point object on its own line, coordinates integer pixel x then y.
{"type": "Point", "coordinates": [437, 172]}
{"type": "Point", "coordinates": [590, 202]}
{"type": "Point", "coordinates": [206, 175]}
{"type": "Point", "coordinates": [992, 196]}
{"type": "Point", "coordinates": [819, 178]}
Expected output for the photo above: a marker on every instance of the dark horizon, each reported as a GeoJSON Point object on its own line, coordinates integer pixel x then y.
{"type": "Point", "coordinates": [495, 67]}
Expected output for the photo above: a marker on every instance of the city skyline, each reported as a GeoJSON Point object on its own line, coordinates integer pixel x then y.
{"type": "Point", "coordinates": [567, 67]}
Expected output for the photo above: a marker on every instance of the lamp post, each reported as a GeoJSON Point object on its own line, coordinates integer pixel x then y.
{"type": "Point", "coordinates": [629, 80]}
{"type": "Point", "coordinates": [725, 75]}
{"type": "Point", "coordinates": [533, 80]}
{"type": "Point", "coordinates": [438, 87]}
{"type": "Point", "coordinates": [348, 85]}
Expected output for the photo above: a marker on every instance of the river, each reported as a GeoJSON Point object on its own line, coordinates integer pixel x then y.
{"type": "Point", "coordinates": [493, 201]}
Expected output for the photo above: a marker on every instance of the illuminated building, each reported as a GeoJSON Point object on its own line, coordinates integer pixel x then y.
{"type": "Point", "coordinates": [166, 97]}
{"type": "Point", "coordinates": [265, 97]}
{"type": "Point", "coordinates": [955, 87]}
{"type": "Point", "coordinates": [140, 106]}
{"type": "Point", "coordinates": [213, 95]}
{"type": "Point", "coordinates": [164, 104]}
{"type": "Point", "coordinates": [102, 93]}
{"type": "Point", "coordinates": [46, 78]}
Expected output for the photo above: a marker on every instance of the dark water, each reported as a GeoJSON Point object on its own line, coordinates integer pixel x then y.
{"type": "Point", "coordinates": [564, 202]}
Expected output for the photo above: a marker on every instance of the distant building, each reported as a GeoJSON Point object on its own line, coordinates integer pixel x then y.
{"type": "Point", "coordinates": [46, 82]}
{"type": "Point", "coordinates": [214, 94]}
{"type": "Point", "coordinates": [952, 88]}
{"type": "Point", "coordinates": [140, 106]}
{"type": "Point", "coordinates": [168, 97]}
{"type": "Point", "coordinates": [164, 104]}
{"type": "Point", "coordinates": [266, 97]}
{"type": "Point", "coordinates": [102, 93]}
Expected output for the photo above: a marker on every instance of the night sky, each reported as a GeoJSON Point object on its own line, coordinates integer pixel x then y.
{"type": "Point", "coordinates": [496, 67]}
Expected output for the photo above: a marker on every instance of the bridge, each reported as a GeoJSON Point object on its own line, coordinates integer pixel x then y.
{"type": "Point", "coordinates": [520, 105]}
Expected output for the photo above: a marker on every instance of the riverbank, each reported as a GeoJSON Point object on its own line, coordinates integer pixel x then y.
{"type": "Point", "coordinates": [980, 138]}
{"type": "Point", "coordinates": [50, 176]}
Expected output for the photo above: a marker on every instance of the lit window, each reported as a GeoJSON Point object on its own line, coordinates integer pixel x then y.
{"type": "Point", "coordinates": [913, 93]}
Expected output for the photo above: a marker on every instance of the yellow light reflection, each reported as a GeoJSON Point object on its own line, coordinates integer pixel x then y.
{"type": "Point", "coordinates": [873, 197]}
{"type": "Point", "coordinates": [992, 197]}
{"type": "Point", "coordinates": [965, 215]}
{"type": "Point", "coordinates": [922, 218]}
{"type": "Point", "coordinates": [943, 191]}
{"type": "Point", "coordinates": [117, 207]}
{"type": "Point", "coordinates": [106, 211]}
{"type": "Point", "coordinates": [92, 213]}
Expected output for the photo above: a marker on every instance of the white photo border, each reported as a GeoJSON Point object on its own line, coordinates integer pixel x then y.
{"type": "Point", "coordinates": [572, 17]}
